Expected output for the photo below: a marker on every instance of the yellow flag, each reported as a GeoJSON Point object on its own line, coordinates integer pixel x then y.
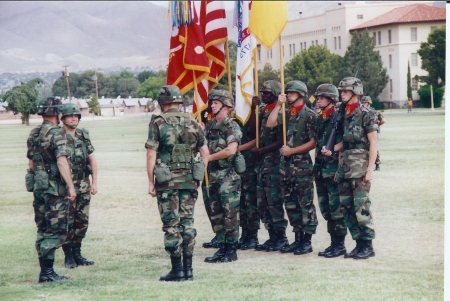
{"type": "Point", "coordinates": [267, 21]}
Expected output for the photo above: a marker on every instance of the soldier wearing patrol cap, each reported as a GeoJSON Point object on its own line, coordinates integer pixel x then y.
{"type": "Point", "coordinates": [83, 164]}
{"type": "Point", "coordinates": [176, 158]}
{"type": "Point", "coordinates": [224, 191]}
{"type": "Point", "coordinates": [367, 101]}
{"type": "Point", "coordinates": [355, 172]}
{"type": "Point", "coordinates": [48, 178]}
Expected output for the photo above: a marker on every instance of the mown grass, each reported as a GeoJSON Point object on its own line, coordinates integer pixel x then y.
{"type": "Point", "coordinates": [126, 241]}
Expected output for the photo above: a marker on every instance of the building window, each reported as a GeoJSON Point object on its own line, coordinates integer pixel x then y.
{"type": "Point", "coordinates": [290, 49]}
{"type": "Point", "coordinates": [259, 52]}
{"type": "Point", "coordinates": [268, 54]}
{"type": "Point", "coordinates": [375, 37]}
{"type": "Point", "coordinates": [335, 43]}
{"type": "Point", "coordinates": [413, 34]}
{"type": "Point", "coordinates": [317, 42]}
{"type": "Point", "coordinates": [414, 60]}
{"type": "Point", "coordinates": [360, 17]}
{"type": "Point", "coordinates": [301, 46]}
{"type": "Point", "coordinates": [390, 36]}
{"type": "Point", "coordinates": [391, 87]}
{"type": "Point", "coordinates": [293, 48]}
{"type": "Point", "coordinates": [379, 38]}
{"type": "Point", "coordinates": [304, 45]}
{"type": "Point", "coordinates": [325, 42]}
{"type": "Point", "coordinates": [339, 38]}
{"type": "Point", "coordinates": [312, 43]}
{"type": "Point", "coordinates": [414, 84]}
{"type": "Point", "coordinates": [390, 60]}
{"type": "Point", "coordinates": [271, 53]}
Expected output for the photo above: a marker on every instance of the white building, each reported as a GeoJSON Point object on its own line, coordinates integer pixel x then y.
{"type": "Point", "coordinates": [334, 28]}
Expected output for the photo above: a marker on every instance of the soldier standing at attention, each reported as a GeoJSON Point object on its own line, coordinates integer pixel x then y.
{"type": "Point", "coordinates": [83, 163]}
{"type": "Point", "coordinates": [325, 169]}
{"type": "Point", "coordinates": [356, 164]}
{"type": "Point", "coordinates": [223, 194]}
{"type": "Point", "coordinates": [174, 144]}
{"type": "Point", "coordinates": [410, 104]}
{"type": "Point", "coordinates": [48, 167]}
{"type": "Point", "coordinates": [269, 200]}
{"type": "Point", "coordinates": [297, 189]}
{"type": "Point", "coordinates": [367, 102]}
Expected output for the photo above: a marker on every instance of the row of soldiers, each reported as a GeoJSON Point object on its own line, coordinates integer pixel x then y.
{"type": "Point", "coordinates": [277, 177]}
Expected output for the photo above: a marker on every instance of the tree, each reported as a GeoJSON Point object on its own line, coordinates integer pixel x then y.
{"type": "Point", "coordinates": [361, 54]}
{"type": "Point", "coordinates": [314, 66]}
{"type": "Point", "coordinates": [144, 75]}
{"type": "Point", "coordinates": [223, 82]}
{"type": "Point", "coordinates": [59, 88]}
{"type": "Point", "coordinates": [408, 83]}
{"type": "Point", "coordinates": [432, 54]}
{"type": "Point", "coordinates": [107, 86]}
{"type": "Point", "coordinates": [94, 106]}
{"type": "Point", "coordinates": [23, 99]}
{"type": "Point", "coordinates": [425, 96]}
{"type": "Point", "coordinates": [150, 87]}
{"type": "Point", "coordinates": [267, 73]}
{"type": "Point", "coordinates": [127, 87]}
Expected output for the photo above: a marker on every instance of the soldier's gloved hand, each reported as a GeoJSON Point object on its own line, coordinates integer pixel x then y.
{"type": "Point", "coordinates": [256, 101]}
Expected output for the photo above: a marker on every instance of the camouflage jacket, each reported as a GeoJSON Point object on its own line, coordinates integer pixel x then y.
{"type": "Point", "coordinates": [247, 136]}
{"type": "Point", "coordinates": [378, 117]}
{"type": "Point", "coordinates": [80, 147]}
{"type": "Point", "coordinates": [299, 164]}
{"type": "Point", "coordinates": [325, 166]}
{"type": "Point", "coordinates": [45, 144]}
{"type": "Point", "coordinates": [167, 130]}
{"type": "Point", "coordinates": [219, 136]}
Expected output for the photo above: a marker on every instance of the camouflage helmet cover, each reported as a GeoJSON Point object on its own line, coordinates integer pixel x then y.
{"type": "Point", "coordinates": [352, 84]}
{"type": "Point", "coordinates": [328, 90]}
{"type": "Point", "coordinates": [70, 109]}
{"type": "Point", "coordinates": [169, 94]}
{"type": "Point", "coordinates": [366, 99]}
{"type": "Point", "coordinates": [223, 96]}
{"type": "Point", "coordinates": [49, 107]}
{"type": "Point", "coordinates": [272, 86]}
{"type": "Point", "coordinates": [297, 86]}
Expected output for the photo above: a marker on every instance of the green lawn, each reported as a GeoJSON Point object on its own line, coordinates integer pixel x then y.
{"type": "Point", "coordinates": [126, 241]}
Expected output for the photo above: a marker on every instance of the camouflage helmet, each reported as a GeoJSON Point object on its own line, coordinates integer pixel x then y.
{"type": "Point", "coordinates": [297, 86]}
{"type": "Point", "coordinates": [169, 94]}
{"type": "Point", "coordinates": [272, 86]}
{"type": "Point", "coordinates": [223, 96]}
{"type": "Point", "coordinates": [366, 99]}
{"type": "Point", "coordinates": [328, 90]}
{"type": "Point", "coordinates": [353, 84]}
{"type": "Point", "coordinates": [49, 107]}
{"type": "Point", "coordinates": [70, 109]}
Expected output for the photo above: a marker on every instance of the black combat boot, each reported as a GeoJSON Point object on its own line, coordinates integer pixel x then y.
{"type": "Point", "coordinates": [187, 267]}
{"type": "Point", "coordinates": [269, 242]}
{"type": "Point", "coordinates": [69, 261]}
{"type": "Point", "coordinates": [218, 255]}
{"type": "Point", "coordinates": [80, 260]}
{"type": "Point", "coordinates": [176, 273]}
{"type": "Point", "coordinates": [243, 238]}
{"type": "Point", "coordinates": [252, 240]}
{"type": "Point", "coordinates": [328, 249]}
{"type": "Point", "coordinates": [377, 167]}
{"type": "Point", "coordinates": [211, 244]}
{"type": "Point", "coordinates": [355, 250]}
{"type": "Point", "coordinates": [230, 254]}
{"type": "Point", "coordinates": [338, 247]}
{"type": "Point", "coordinates": [306, 247]}
{"type": "Point", "coordinates": [280, 242]}
{"type": "Point", "coordinates": [365, 251]}
{"type": "Point", "coordinates": [47, 273]}
{"type": "Point", "coordinates": [295, 245]}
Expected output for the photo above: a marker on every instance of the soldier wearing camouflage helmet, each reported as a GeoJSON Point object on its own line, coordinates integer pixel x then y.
{"type": "Point", "coordinates": [83, 164]}
{"type": "Point", "coordinates": [359, 149]}
{"type": "Point", "coordinates": [48, 178]}
{"type": "Point", "coordinates": [222, 197]}
{"type": "Point", "coordinates": [367, 102]}
{"type": "Point", "coordinates": [269, 202]}
{"type": "Point", "coordinates": [325, 168]}
{"type": "Point", "coordinates": [296, 165]}
{"type": "Point", "coordinates": [176, 157]}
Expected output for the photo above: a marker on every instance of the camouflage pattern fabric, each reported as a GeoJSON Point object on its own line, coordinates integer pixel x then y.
{"type": "Point", "coordinates": [296, 173]}
{"type": "Point", "coordinates": [379, 117]}
{"type": "Point", "coordinates": [176, 208]}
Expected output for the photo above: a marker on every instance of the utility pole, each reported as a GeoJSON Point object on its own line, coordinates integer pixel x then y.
{"type": "Point", "coordinates": [432, 102]}
{"type": "Point", "coordinates": [95, 78]}
{"type": "Point", "coordinates": [66, 75]}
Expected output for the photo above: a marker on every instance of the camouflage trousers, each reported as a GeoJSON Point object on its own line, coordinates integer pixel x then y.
{"type": "Point", "coordinates": [248, 209]}
{"type": "Point", "coordinates": [330, 205]}
{"type": "Point", "coordinates": [79, 217]}
{"type": "Point", "coordinates": [298, 194]}
{"type": "Point", "coordinates": [355, 205]}
{"type": "Point", "coordinates": [51, 214]}
{"type": "Point", "coordinates": [270, 201]}
{"type": "Point", "coordinates": [176, 208]}
{"type": "Point", "coordinates": [223, 202]}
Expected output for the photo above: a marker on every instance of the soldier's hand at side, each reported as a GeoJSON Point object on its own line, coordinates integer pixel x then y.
{"type": "Point", "coordinates": [72, 194]}
{"type": "Point", "coordinates": [286, 151]}
{"type": "Point", "coordinates": [94, 189]}
{"type": "Point", "coordinates": [325, 151]}
{"type": "Point", "coordinates": [256, 101]}
{"type": "Point", "coordinates": [369, 175]}
{"type": "Point", "coordinates": [151, 189]}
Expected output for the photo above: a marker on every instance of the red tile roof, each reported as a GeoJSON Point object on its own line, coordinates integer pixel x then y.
{"type": "Point", "coordinates": [407, 14]}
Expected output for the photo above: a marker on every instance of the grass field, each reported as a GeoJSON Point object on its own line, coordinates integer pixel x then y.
{"type": "Point", "coordinates": [126, 242]}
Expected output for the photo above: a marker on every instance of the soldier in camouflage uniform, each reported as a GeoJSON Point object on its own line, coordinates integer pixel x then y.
{"type": "Point", "coordinates": [223, 194]}
{"type": "Point", "coordinates": [48, 173]}
{"type": "Point", "coordinates": [297, 188]}
{"type": "Point", "coordinates": [269, 200]}
{"type": "Point", "coordinates": [83, 163]}
{"type": "Point", "coordinates": [325, 168]}
{"type": "Point", "coordinates": [356, 164]}
{"type": "Point", "coordinates": [367, 102]}
{"type": "Point", "coordinates": [174, 144]}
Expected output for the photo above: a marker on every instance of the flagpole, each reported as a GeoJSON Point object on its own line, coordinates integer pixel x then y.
{"type": "Point", "coordinates": [282, 91]}
{"type": "Point", "coordinates": [230, 89]}
{"type": "Point", "coordinates": [257, 106]}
